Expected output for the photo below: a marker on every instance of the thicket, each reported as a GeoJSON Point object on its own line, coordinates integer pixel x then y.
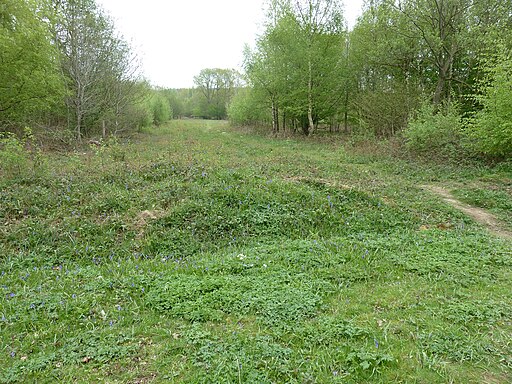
{"type": "Point", "coordinates": [435, 73]}
{"type": "Point", "coordinates": [423, 70]}
{"type": "Point", "coordinates": [491, 126]}
{"type": "Point", "coordinates": [66, 72]}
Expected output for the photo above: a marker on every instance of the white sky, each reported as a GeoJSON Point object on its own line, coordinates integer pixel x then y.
{"type": "Point", "coordinates": [175, 39]}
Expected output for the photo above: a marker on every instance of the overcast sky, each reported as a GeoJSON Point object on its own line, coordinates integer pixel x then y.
{"type": "Point", "coordinates": [177, 38]}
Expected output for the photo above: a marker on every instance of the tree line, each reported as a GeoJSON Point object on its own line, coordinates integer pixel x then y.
{"type": "Point", "coordinates": [64, 70]}
{"type": "Point", "coordinates": [437, 72]}
{"type": "Point", "coordinates": [209, 98]}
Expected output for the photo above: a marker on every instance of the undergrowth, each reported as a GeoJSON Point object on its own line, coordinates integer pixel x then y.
{"type": "Point", "coordinates": [203, 255]}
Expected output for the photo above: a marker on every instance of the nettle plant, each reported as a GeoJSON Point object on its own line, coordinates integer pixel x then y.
{"type": "Point", "coordinates": [18, 156]}
{"type": "Point", "coordinates": [434, 131]}
{"type": "Point", "coordinates": [109, 150]}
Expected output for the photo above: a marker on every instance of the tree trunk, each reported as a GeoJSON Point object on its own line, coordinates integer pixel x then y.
{"type": "Point", "coordinates": [305, 126]}
{"type": "Point", "coordinates": [445, 64]}
{"type": "Point", "coordinates": [345, 113]}
{"type": "Point", "coordinates": [310, 99]}
{"type": "Point", "coordinates": [441, 81]}
{"type": "Point", "coordinates": [79, 126]}
{"type": "Point", "coordinates": [275, 117]}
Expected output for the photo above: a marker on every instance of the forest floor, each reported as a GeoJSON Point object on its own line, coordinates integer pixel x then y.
{"type": "Point", "coordinates": [198, 253]}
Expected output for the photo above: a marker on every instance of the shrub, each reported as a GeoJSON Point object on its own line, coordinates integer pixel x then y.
{"type": "Point", "coordinates": [384, 112]}
{"type": "Point", "coordinates": [161, 109]}
{"type": "Point", "coordinates": [13, 158]}
{"type": "Point", "coordinates": [19, 157]}
{"type": "Point", "coordinates": [245, 109]}
{"type": "Point", "coordinates": [432, 131]}
{"type": "Point", "coordinates": [140, 115]}
{"type": "Point", "coordinates": [490, 129]}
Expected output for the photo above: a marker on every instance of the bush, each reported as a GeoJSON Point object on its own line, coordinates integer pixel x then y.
{"type": "Point", "coordinates": [140, 115]}
{"type": "Point", "coordinates": [432, 131]}
{"type": "Point", "coordinates": [383, 112]}
{"type": "Point", "coordinates": [490, 129]}
{"type": "Point", "coordinates": [18, 157]}
{"type": "Point", "coordinates": [161, 109]}
{"type": "Point", "coordinates": [245, 109]}
{"type": "Point", "coordinates": [13, 157]}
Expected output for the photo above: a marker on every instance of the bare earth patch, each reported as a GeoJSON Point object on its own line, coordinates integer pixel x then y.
{"type": "Point", "coordinates": [478, 214]}
{"type": "Point", "coordinates": [143, 219]}
{"type": "Point", "coordinates": [490, 378]}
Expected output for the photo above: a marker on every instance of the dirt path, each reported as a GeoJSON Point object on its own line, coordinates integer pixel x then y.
{"type": "Point", "coordinates": [478, 214]}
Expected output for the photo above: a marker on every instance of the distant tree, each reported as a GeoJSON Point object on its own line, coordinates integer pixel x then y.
{"type": "Point", "coordinates": [321, 27]}
{"type": "Point", "coordinates": [298, 62]}
{"type": "Point", "coordinates": [119, 87]}
{"type": "Point", "coordinates": [160, 107]}
{"type": "Point", "coordinates": [384, 71]}
{"type": "Point", "coordinates": [440, 26]}
{"type": "Point", "coordinates": [176, 102]}
{"type": "Point", "coordinates": [403, 52]}
{"type": "Point", "coordinates": [247, 107]}
{"type": "Point", "coordinates": [139, 113]}
{"type": "Point", "coordinates": [216, 87]}
{"type": "Point", "coordinates": [264, 68]}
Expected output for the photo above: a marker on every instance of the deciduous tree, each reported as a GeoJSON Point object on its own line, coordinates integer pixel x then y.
{"type": "Point", "coordinates": [29, 76]}
{"type": "Point", "coordinates": [100, 70]}
{"type": "Point", "coordinates": [216, 87]}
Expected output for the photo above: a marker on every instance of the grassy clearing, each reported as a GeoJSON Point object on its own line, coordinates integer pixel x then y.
{"type": "Point", "coordinates": [203, 255]}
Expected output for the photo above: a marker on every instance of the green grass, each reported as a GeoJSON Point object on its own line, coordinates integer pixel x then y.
{"type": "Point", "coordinates": [494, 196]}
{"type": "Point", "coordinates": [199, 254]}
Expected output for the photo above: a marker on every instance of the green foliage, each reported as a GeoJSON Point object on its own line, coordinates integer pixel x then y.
{"type": "Point", "coordinates": [384, 114]}
{"type": "Point", "coordinates": [481, 313]}
{"type": "Point", "coordinates": [215, 88]}
{"type": "Point", "coordinates": [64, 67]}
{"type": "Point", "coordinates": [367, 361]}
{"type": "Point", "coordinates": [176, 102]}
{"type": "Point", "coordinates": [160, 108]}
{"type": "Point", "coordinates": [382, 71]}
{"type": "Point", "coordinates": [297, 65]}
{"type": "Point", "coordinates": [274, 303]}
{"type": "Point", "coordinates": [247, 259]}
{"type": "Point", "coordinates": [435, 132]}
{"type": "Point", "coordinates": [13, 157]}
{"type": "Point", "coordinates": [245, 108]}
{"type": "Point", "coordinates": [20, 157]}
{"type": "Point", "coordinates": [110, 149]}
{"type": "Point", "coordinates": [30, 83]}
{"type": "Point", "coordinates": [87, 347]}
{"type": "Point", "coordinates": [452, 344]}
{"type": "Point", "coordinates": [308, 73]}
{"type": "Point", "coordinates": [140, 115]}
{"type": "Point", "coordinates": [491, 127]}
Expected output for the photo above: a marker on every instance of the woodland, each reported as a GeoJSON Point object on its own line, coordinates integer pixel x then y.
{"type": "Point", "coordinates": [336, 211]}
{"type": "Point", "coordinates": [435, 74]}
